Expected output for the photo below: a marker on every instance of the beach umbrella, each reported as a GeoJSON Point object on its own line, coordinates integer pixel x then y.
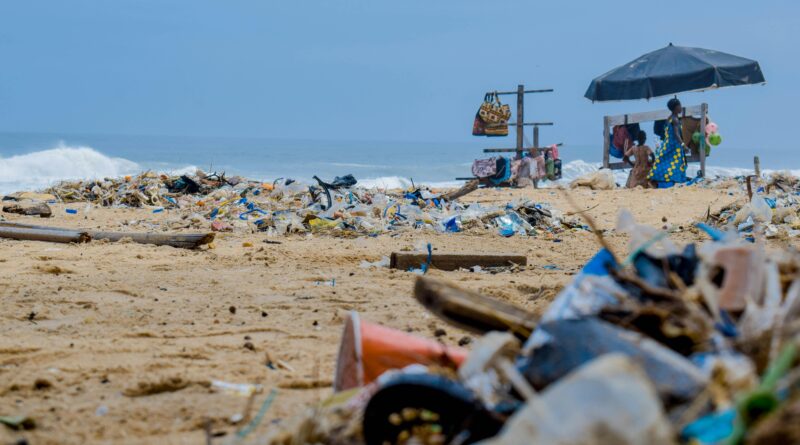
{"type": "Point", "coordinates": [672, 70]}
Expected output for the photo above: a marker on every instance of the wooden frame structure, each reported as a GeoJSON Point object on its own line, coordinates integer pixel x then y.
{"type": "Point", "coordinates": [520, 125]}
{"type": "Point", "coordinates": [610, 122]}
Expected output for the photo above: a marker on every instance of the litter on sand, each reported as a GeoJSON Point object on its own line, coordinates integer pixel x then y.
{"type": "Point", "coordinates": [663, 345]}
{"type": "Point", "coordinates": [338, 208]}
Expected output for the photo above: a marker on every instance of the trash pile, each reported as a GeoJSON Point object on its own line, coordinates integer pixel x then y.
{"type": "Point", "coordinates": [285, 206]}
{"type": "Point", "coordinates": [663, 345]}
{"type": "Point", "coordinates": [772, 208]}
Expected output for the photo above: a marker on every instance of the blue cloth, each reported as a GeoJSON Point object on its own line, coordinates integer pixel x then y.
{"type": "Point", "coordinates": [503, 171]}
{"type": "Point", "coordinates": [670, 164]}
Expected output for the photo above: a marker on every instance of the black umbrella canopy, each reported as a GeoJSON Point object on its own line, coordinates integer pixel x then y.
{"type": "Point", "coordinates": [672, 70]}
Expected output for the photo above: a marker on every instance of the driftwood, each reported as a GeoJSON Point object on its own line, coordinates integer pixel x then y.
{"type": "Point", "coordinates": [469, 187]}
{"type": "Point", "coordinates": [187, 240]}
{"type": "Point", "coordinates": [471, 310]}
{"type": "Point", "coordinates": [29, 208]}
{"type": "Point", "coordinates": [54, 236]}
{"type": "Point", "coordinates": [453, 261]}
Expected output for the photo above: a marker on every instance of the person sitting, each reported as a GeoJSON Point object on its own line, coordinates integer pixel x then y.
{"type": "Point", "coordinates": [669, 166]}
{"type": "Point", "coordinates": [641, 154]}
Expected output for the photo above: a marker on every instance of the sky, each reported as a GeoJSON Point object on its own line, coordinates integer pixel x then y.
{"type": "Point", "coordinates": [411, 70]}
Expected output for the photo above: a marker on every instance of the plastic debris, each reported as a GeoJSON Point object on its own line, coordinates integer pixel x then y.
{"type": "Point", "coordinates": [339, 208]}
{"type": "Point", "coordinates": [665, 345]}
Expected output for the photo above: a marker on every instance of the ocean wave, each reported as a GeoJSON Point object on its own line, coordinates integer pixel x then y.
{"type": "Point", "coordinates": [43, 168]}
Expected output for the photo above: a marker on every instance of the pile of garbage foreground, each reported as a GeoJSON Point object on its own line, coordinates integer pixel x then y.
{"type": "Point", "coordinates": [662, 345]}
{"type": "Point", "coordinates": [284, 206]}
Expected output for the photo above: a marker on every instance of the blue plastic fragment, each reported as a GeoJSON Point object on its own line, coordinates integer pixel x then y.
{"type": "Point", "coordinates": [599, 264]}
{"type": "Point", "coordinates": [158, 210]}
{"type": "Point", "coordinates": [714, 233]}
{"type": "Point", "coordinates": [711, 429]}
{"type": "Point", "coordinates": [72, 211]}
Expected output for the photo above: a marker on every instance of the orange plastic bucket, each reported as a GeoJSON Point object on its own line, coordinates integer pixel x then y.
{"type": "Point", "coordinates": [368, 350]}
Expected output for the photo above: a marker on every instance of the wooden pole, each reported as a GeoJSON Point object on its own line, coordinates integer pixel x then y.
{"type": "Point", "coordinates": [536, 136]}
{"type": "Point", "coordinates": [520, 118]}
{"type": "Point", "coordinates": [606, 143]}
{"type": "Point", "coordinates": [757, 166]}
{"type": "Point", "coordinates": [53, 236]}
{"type": "Point", "coordinates": [32, 232]}
{"type": "Point", "coordinates": [703, 122]}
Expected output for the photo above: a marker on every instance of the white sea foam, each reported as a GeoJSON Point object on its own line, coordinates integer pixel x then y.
{"type": "Point", "coordinates": [42, 168]}
{"type": "Point", "coordinates": [397, 182]}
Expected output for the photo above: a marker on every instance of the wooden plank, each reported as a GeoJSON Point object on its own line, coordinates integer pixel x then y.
{"type": "Point", "coordinates": [606, 142]}
{"type": "Point", "coordinates": [506, 93]}
{"type": "Point", "coordinates": [53, 236]}
{"type": "Point", "coordinates": [453, 261]}
{"type": "Point", "coordinates": [512, 150]}
{"type": "Point", "coordinates": [471, 310]}
{"type": "Point", "coordinates": [533, 124]}
{"type": "Point", "coordinates": [647, 116]}
{"type": "Point", "coordinates": [619, 166]}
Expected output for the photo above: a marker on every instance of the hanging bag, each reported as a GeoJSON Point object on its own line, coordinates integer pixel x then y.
{"type": "Point", "coordinates": [479, 125]}
{"type": "Point", "coordinates": [487, 111]}
{"type": "Point", "coordinates": [499, 115]}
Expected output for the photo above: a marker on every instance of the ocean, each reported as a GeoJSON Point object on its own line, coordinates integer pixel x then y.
{"type": "Point", "coordinates": [30, 161]}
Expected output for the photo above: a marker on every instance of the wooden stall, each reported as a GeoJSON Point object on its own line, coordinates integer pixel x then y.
{"type": "Point", "coordinates": [609, 122]}
{"type": "Point", "coordinates": [519, 126]}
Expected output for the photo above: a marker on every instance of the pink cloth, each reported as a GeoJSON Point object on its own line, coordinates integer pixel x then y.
{"type": "Point", "coordinates": [541, 168]}
{"type": "Point", "coordinates": [554, 151]}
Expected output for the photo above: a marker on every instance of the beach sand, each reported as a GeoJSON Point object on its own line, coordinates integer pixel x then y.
{"type": "Point", "coordinates": [118, 342]}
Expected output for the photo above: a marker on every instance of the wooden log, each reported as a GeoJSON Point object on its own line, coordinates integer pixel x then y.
{"type": "Point", "coordinates": [29, 208]}
{"type": "Point", "coordinates": [54, 236]}
{"type": "Point", "coordinates": [181, 240]}
{"type": "Point", "coordinates": [467, 188]}
{"type": "Point", "coordinates": [471, 310]}
{"type": "Point", "coordinates": [186, 241]}
{"type": "Point", "coordinates": [453, 261]}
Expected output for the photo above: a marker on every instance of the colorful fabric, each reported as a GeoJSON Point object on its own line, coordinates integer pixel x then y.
{"type": "Point", "coordinates": [483, 168]}
{"type": "Point", "coordinates": [670, 163]}
{"type": "Point", "coordinates": [554, 151]}
{"type": "Point", "coordinates": [503, 173]}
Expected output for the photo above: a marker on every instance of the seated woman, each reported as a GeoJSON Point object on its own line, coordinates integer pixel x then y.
{"type": "Point", "coordinates": [669, 167]}
{"type": "Point", "coordinates": [641, 154]}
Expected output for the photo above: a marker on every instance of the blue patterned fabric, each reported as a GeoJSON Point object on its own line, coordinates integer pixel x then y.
{"type": "Point", "coordinates": [670, 163]}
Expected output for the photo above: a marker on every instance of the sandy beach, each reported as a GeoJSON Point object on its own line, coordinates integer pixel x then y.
{"type": "Point", "coordinates": [118, 342]}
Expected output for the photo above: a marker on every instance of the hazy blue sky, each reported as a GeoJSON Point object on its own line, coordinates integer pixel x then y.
{"type": "Point", "coordinates": [376, 70]}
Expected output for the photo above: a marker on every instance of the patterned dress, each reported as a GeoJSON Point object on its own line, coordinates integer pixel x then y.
{"type": "Point", "coordinates": [670, 164]}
